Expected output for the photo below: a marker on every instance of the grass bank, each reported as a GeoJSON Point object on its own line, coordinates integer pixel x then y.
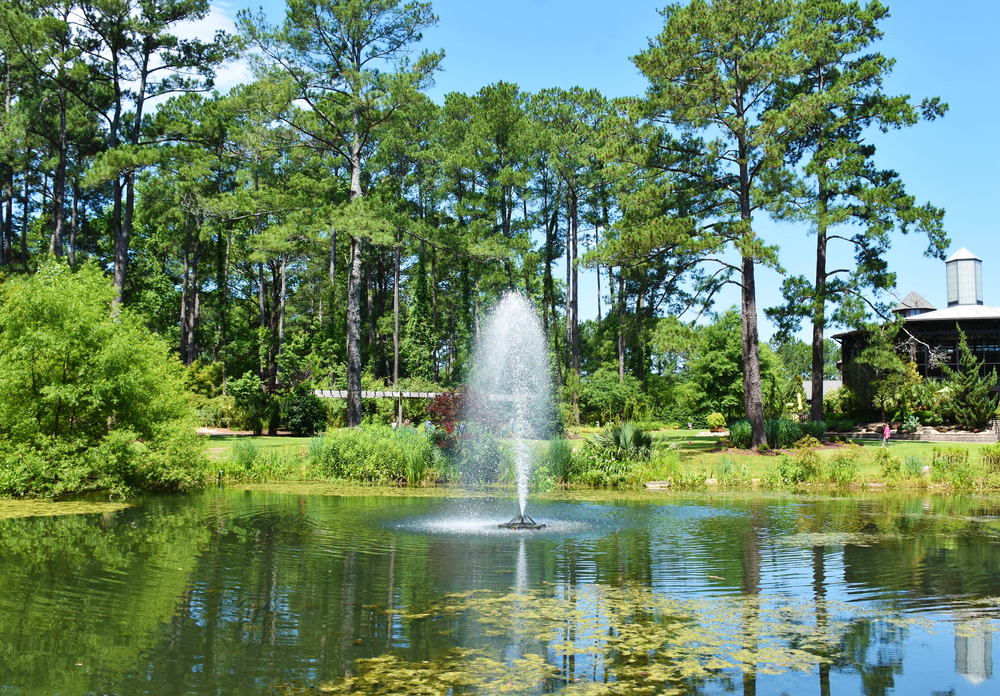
{"type": "Point", "coordinates": [686, 459]}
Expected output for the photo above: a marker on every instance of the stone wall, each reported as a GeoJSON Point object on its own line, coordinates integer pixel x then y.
{"type": "Point", "coordinates": [987, 436]}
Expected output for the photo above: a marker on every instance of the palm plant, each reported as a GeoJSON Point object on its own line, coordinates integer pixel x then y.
{"type": "Point", "coordinates": [625, 440]}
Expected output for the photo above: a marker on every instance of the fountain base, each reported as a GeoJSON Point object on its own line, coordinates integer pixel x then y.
{"type": "Point", "coordinates": [521, 522]}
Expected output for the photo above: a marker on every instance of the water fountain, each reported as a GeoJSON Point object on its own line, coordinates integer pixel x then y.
{"type": "Point", "coordinates": [511, 387]}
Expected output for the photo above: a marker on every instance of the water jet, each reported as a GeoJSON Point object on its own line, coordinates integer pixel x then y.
{"type": "Point", "coordinates": [511, 389]}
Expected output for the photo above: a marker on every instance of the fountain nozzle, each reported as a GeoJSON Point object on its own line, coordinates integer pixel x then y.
{"type": "Point", "coordinates": [521, 522]}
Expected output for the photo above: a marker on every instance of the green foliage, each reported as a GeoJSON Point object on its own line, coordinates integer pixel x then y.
{"type": "Point", "coordinates": [781, 433]}
{"type": "Point", "coordinates": [729, 474]}
{"type": "Point", "coordinates": [951, 465]}
{"type": "Point", "coordinates": [971, 402]}
{"type": "Point", "coordinates": [373, 454]}
{"type": "Point", "coordinates": [604, 398]}
{"type": "Point", "coordinates": [843, 468]}
{"type": "Point", "coordinates": [88, 398]}
{"type": "Point", "coordinates": [911, 423]}
{"type": "Point", "coordinates": [740, 434]}
{"type": "Point", "coordinates": [624, 441]}
{"type": "Point", "coordinates": [890, 466]}
{"type": "Point", "coordinates": [602, 467]}
{"type": "Point", "coordinates": [815, 429]}
{"type": "Point", "coordinates": [913, 465]}
{"type": "Point", "coordinates": [716, 420]}
{"type": "Point", "coordinates": [253, 406]}
{"type": "Point", "coordinates": [249, 463]}
{"type": "Point", "coordinates": [558, 459]}
{"type": "Point", "coordinates": [989, 455]}
{"type": "Point", "coordinates": [417, 345]}
{"type": "Point", "coordinates": [804, 465]}
{"type": "Point", "coordinates": [304, 412]}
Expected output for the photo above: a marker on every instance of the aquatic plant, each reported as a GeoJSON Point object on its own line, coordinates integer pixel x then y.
{"type": "Point", "coordinates": [375, 454]}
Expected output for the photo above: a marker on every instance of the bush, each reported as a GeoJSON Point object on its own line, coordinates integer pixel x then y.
{"type": "Point", "coordinates": [802, 466]}
{"type": "Point", "coordinates": [374, 454]}
{"type": "Point", "coordinates": [928, 418]}
{"type": "Point", "coordinates": [558, 460]}
{"type": "Point", "coordinates": [951, 465]}
{"type": "Point", "coordinates": [911, 423]}
{"type": "Point", "coordinates": [843, 468]}
{"type": "Point", "coordinates": [305, 413]}
{"type": "Point", "coordinates": [248, 462]}
{"type": "Point", "coordinates": [890, 466]}
{"type": "Point", "coordinates": [782, 432]}
{"type": "Point", "coordinates": [716, 420]}
{"type": "Point", "coordinates": [914, 465]}
{"type": "Point", "coordinates": [815, 429]}
{"type": "Point", "coordinates": [624, 441]}
{"type": "Point", "coordinates": [89, 399]}
{"type": "Point", "coordinates": [252, 406]}
{"type": "Point", "coordinates": [990, 457]}
{"type": "Point", "coordinates": [740, 434]}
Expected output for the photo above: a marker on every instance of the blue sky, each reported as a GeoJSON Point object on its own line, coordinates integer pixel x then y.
{"type": "Point", "coordinates": [941, 49]}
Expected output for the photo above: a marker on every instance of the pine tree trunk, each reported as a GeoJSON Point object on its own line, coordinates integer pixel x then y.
{"type": "Point", "coordinates": [74, 223]}
{"type": "Point", "coordinates": [621, 325]}
{"type": "Point", "coordinates": [185, 282]}
{"type": "Point", "coordinates": [819, 308]}
{"type": "Point", "coordinates": [25, 211]}
{"type": "Point", "coordinates": [284, 297]}
{"type": "Point", "coordinates": [575, 307]}
{"type": "Point", "coordinates": [59, 183]}
{"type": "Point", "coordinates": [193, 299]}
{"type": "Point", "coordinates": [753, 399]}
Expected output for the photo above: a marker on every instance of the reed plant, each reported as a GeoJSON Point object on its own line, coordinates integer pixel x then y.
{"type": "Point", "coordinates": [373, 454]}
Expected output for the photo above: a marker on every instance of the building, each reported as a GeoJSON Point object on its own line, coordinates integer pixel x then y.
{"type": "Point", "coordinates": [930, 335]}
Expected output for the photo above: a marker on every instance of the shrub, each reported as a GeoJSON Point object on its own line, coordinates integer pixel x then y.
{"type": "Point", "coordinates": [990, 456]}
{"type": "Point", "coordinates": [729, 474]}
{"type": "Point", "coordinates": [782, 432]}
{"type": "Point", "coordinates": [624, 441]}
{"type": "Point", "coordinates": [808, 441]}
{"type": "Point", "coordinates": [890, 466]}
{"type": "Point", "coordinates": [558, 460]}
{"type": "Point", "coordinates": [374, 454]}
{"type": "Point", "coordinates": [716, 420]}
{"type": "Point", "coordinates": [951, 465]}
{"type": "Point", "coordinates": [815, 429]}
{"type": "Point", "coordinates": [914, 465]}
{"type": "Point", "coordinates": [248, 462]}
{"type": "Point", "coordinates": [804, 465]}
{"type": "Point", "coordinates": [251, 404]}
{"type": "Point", "coordinates": [89, 399]}
{"type": "Point", "coordinates": [843, 468]}
{"type": "Point", "coordinates": [305, 413]}
{"type": "Point", "coordinates": [740, 434]}
{"type": "Point", "coordinates": [910, 424]}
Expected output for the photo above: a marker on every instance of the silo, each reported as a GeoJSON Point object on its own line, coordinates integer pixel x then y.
{"type": "Point", "coordinates": [965, 278]}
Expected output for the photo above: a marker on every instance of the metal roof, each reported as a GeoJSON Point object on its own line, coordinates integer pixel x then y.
{"type": "Point", "coordinates": [963, 254]}
{"type": "Point", "coordinates": [957, 313]}
{"type": "Point", "coordinates": [828, 386]}
{"type": "Point", "coordinates": [913, 301]}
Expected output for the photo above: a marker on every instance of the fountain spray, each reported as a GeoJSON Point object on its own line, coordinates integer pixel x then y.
{"type": "Point", "coordinates": [510, 379]}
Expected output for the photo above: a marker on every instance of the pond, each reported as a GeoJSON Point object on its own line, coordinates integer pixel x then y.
{"type": "Point", "coordinates": [292, 592]}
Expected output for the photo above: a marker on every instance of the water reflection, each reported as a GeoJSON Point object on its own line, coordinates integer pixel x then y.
{"type": "Point", "coordinates": [240, 592]}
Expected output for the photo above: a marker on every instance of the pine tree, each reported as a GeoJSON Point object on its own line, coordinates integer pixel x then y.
{"type": "Point", "coordinates": [972, 400]}
{"type": "Point", "coordinates": [417, 345]}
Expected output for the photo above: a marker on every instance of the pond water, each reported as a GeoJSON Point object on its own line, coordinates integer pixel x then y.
{"type": "Point", "coordinates": [257, 592]}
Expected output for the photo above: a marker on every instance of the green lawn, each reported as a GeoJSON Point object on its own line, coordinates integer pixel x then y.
{"type": "Point", "coordinates": [696, 453]}
{"type": "Point", "coordinates": [219, 446]}
{"type": "Point", "coordinates": [702, 453]}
